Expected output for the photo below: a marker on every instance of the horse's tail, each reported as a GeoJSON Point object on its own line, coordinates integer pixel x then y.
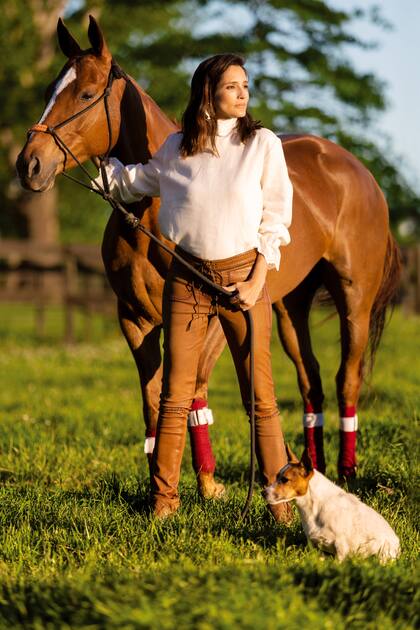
{"type": "Point", "coordinates": [384, 297]}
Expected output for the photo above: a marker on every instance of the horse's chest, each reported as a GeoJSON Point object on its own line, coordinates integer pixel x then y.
{"type": "Point", "coordinates": [134, 279]}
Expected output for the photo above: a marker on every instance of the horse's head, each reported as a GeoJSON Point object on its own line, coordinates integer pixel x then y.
{"type": "Point", "coordinates": [82, 80]}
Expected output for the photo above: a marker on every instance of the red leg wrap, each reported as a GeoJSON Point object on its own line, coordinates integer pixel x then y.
{"type": "Point", "coordinates": [348, 412]}
{"type": "Point", "coordinates": [314, 437]}
{"type": "Point", "coordinates": [347, 462]}
{"type": "Point", "coordinates": [198, 403]}
{"type": "Point", "coordinates": [202, 455]}
{"type": "Point", "coordinates": [314, 442]}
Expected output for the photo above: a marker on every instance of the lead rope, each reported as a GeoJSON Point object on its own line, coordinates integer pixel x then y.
{"type": "Point", "coordinates": [131, 220]}
{"type": "Point", "coordinates": [135, 223]}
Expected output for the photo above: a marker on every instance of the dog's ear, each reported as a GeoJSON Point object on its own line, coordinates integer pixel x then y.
{"type": "Point", "coordinates": [306, 461]}
{"type": "Point", "coordinates": [291, 456]}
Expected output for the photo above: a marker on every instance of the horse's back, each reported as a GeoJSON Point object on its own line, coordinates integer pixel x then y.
{"type": "Point", "coordinates": [336, 203]}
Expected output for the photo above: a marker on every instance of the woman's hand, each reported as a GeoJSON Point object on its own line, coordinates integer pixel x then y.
{"type": "Point", "coordinates": [248, 292]}
{"type": "Point", "coordinates": [111, 165]}
{"type": "Point", "coordinates": [246, 295]}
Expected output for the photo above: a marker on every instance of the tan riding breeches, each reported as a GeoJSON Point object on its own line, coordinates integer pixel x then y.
{"type": "Point", "coordinates": [187, 309]}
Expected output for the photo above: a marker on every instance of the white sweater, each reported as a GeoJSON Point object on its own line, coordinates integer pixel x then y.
{"type": "Point", "coordinates": [213, 206]}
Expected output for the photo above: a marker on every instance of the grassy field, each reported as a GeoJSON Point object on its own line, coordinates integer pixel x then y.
{"type": "Point", "coordinates": [79, 550]}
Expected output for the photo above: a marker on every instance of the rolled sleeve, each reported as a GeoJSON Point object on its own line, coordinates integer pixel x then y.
{"type": "Point", "coordinates": [277, 205]}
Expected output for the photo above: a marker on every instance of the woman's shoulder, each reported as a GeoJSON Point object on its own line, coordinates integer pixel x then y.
{"type": "Point", "coordinates": [267, 137]}
{"type": "Point", "coordinates": [169, 147]}
{"type": "Point", "coordinates": [173, 140]}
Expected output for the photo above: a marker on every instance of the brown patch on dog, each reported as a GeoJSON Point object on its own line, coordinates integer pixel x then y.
{"type": "Point", "coordinates": [293, 479]}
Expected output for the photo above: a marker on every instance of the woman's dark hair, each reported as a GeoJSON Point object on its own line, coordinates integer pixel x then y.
{"type": "Point", "coordinates": [199, 124]}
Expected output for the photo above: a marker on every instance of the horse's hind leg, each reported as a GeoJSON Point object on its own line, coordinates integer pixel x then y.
{"type": "Point", "coordinates": [354, 299]}
{"type": "Point", "coordinates": [293, 326]}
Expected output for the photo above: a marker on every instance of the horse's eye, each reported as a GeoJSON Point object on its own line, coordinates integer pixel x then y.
{"type": "Point", "coordinates": [86, 96]}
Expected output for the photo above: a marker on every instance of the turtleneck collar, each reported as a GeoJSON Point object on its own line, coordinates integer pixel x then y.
{"type": "Point", "coordinates": [225, 126]}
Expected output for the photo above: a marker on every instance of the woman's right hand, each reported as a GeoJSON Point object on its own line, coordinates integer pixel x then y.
{"type": "Point", "coordinates": [112, 166]}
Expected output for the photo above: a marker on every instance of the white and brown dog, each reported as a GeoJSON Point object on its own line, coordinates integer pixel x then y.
{"type": "Point", "coordinates": [333, 520]}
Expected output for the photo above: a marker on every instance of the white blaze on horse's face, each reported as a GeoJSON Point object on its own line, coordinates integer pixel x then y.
{"type": "Point", "coordinates": [63, 83]}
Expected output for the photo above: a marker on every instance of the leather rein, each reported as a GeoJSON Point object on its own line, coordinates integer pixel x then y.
{"type": "Point", "coordinates": [135, 223]}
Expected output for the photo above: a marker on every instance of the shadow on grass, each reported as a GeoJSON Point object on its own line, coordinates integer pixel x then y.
{"type": "Point", "coordinates": [359, 591]}
{"type": "Point", "coordinates": [137, 501]}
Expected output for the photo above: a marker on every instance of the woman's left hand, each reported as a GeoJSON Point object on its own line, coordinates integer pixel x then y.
{"type": "Point", "coordinates": [247, 293]}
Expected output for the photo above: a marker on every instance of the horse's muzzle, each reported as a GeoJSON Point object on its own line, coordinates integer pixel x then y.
{"type": "Point", "coordinates": [35, 174]}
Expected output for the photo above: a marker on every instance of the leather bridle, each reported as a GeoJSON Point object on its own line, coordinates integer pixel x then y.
{"type": "Point", "coordinates": [115, 72]}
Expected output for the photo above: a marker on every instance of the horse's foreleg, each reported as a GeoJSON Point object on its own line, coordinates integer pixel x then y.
{"type": "Point", "coordinates": [143, 340]}
{"type": "Point", "coordinates": [200, 416]}
{"type": "Point", "coordinates": [293, 326]}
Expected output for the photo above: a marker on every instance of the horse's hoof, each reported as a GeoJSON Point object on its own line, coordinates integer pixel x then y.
{"type": "Point", "coordinates": [162, 511]}
{"type": "Point", "coordinates": [208, 487]}
{"type": "Point", "coordinates": [346, 474]}
{"type": "Point", "coordinates": [282, 513]}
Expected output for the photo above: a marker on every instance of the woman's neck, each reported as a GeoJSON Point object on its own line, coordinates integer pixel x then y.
{"type": "Point", "coordinates": [225, 126]}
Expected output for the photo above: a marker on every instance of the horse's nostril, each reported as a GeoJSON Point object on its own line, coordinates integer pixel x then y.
{"type": "Point", "coordinates": [34, 166]}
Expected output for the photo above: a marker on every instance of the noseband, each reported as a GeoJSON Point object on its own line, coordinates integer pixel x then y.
{"type": "Point", "coordinates": [115, 72]}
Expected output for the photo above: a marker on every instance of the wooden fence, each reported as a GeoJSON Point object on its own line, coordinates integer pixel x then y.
{"type": "Point", "coordinates": [73, 277]}
{"type": "Point", "coordinates": [69, 276]}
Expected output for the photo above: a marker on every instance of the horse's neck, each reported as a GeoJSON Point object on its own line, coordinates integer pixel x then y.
{"type": "Point", "coordinates": [143, 127]}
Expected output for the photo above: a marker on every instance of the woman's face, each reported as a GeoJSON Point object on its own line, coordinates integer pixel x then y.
{"type": "Point", "coordinates": [232, 96]}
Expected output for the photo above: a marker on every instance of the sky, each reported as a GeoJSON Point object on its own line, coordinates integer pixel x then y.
{"type": "Point", "coordinates": [396, 61]}
{"type": "Point", "coordinates": [393, 61]}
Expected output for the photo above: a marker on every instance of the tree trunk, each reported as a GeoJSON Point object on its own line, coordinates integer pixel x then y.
{"type": "Point", "coordinates": [40, 211]}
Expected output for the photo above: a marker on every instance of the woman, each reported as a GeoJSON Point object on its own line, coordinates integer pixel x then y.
{"type": "Point", "coordinates": [226, 201]}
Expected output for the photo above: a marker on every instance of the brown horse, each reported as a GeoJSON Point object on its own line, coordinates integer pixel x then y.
{"type": "Point", "coordinates": [340, 237]}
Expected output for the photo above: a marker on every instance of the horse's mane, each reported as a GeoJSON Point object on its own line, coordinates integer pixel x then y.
{"type": "Point", "coordinates": [139, 138]}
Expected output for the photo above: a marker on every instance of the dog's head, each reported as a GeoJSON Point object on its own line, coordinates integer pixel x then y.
{"type": "Point", "coordinates": [292, 480]}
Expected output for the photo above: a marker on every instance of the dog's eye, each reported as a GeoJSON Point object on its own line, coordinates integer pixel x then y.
{"type": "Point", "coordinates": [284, 480]}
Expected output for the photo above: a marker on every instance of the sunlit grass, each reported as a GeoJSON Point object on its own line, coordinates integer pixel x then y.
{"type": "Point", "coordinates": [78, 547]}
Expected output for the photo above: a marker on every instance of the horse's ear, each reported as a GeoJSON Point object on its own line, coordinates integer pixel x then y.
{"type": "Point", "coordinates": [96, 38]}
{"type": "Point", "coordinates": [67, 43]}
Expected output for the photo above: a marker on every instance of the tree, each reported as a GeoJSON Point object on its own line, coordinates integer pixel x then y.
{"type": "Point", "coordinates": [30, 60]}
{"type": "Point", "coordinates": [295, 50]}
{"type": "Point", "coordinates": [302, 80]}
{"type": "Point", "coordinates": [27, 32]}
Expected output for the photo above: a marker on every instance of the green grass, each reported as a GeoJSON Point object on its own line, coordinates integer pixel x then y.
{"type": "Point", "coordinates": [79, 549]}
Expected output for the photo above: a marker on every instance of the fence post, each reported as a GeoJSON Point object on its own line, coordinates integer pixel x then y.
{"type": "Point", "coordinates": [71, 273]}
